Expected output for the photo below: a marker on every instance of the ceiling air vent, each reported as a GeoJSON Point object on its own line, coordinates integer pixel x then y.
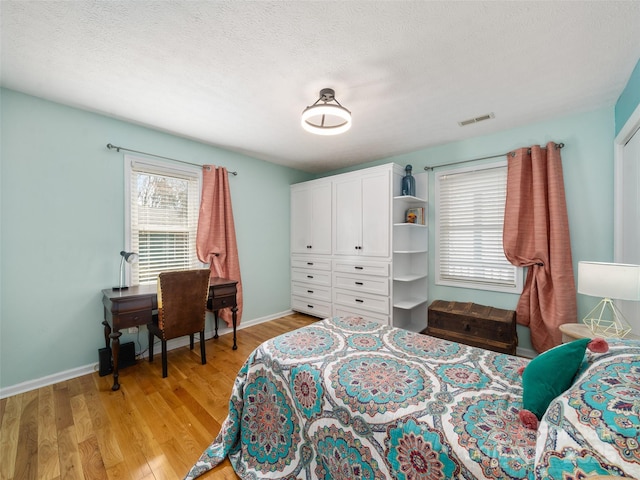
{"type": "Point", "coordinates": [476, 119]}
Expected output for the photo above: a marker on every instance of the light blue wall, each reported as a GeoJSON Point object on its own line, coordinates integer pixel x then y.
{"type": "Point", "coordinates": [62, 221]}
{"type": "Point", "coordinates": [62, 226]}
{"type": "Point", "coordinates": [587, 161]}
{"type": "Point", "coordinates": [629, 99]}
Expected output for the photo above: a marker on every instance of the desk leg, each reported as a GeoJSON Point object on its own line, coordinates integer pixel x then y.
{"type": "Point", "coordinates": [115, 351]}
{"type": "Point", "coordinates": [107, 332]}
{"type": "Point", "coordinates": [234, 315]}
{"type": "Point", "coordinates": [215, 317]}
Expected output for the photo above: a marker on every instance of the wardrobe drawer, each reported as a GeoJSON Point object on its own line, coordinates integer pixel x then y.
{"type": "Point", "coordinates": [311, 291]}
{"type": "Point", "coordinates": [342, 311]}
{"type": "Point", "coordinates": [311, 263]}
{"type": "Point", "coordinates": [317, 308]}
{"type": "Point", "coordinates": [364, 301]}
{"type": "Point", "coordinates": [380, 269]}
{"type": "Point", "coordinates": [311, 276]}
{"type": "Point", "coordinates": [362, 283]}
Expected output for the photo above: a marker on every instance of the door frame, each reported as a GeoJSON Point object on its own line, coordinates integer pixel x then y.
{"type": "Point", "coordinates": [630, 127]}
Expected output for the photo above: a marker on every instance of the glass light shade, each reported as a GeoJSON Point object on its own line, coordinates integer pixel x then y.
{"type": "Point", "coordinates": [609, 280]}
{"type": "Point", "coordinates": [333, 119]}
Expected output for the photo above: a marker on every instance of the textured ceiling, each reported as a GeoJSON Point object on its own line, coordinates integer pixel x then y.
{"type": "Point", "coordinates": [237, 74]}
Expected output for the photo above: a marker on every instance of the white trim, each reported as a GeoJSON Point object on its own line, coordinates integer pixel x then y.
{"type": "Point", "coordinates": [526, 352]}
{"type": "Point", "coordinates": [93, 367]}
{"type": "Point", "coordinates": [626, 132]}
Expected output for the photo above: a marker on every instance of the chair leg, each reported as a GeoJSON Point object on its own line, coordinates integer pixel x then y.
{"type": "Point", "coordinates": [203, 351]}
{"type": "Point", "coordinates": [150, 346]}
{"type": "Point", "coordinates": [164, 359]}
{"type": "Point", "coordinates": [191, 341]}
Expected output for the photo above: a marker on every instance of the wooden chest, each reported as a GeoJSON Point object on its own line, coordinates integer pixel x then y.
{"type": "Point", "coordinates": [473, 324]}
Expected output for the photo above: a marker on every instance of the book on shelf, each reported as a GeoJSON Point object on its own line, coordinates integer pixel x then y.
{"type": "Point", "coordinates": [415, 215]}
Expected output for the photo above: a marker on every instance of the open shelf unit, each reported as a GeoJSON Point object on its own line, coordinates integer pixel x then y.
{"type": "Point", "coordinates": [410, 257]}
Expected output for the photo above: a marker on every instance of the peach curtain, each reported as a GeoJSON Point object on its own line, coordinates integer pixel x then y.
{"type": "Point", "coordinates": [216, 237]}
{"type": "Point", "coordinates": [536, 235]}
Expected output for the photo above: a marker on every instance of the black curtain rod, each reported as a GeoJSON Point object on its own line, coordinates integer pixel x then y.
{"type": "Point", "coordinates": [558, 145]}
{"type": "Point", "coordinates": [111, 147]}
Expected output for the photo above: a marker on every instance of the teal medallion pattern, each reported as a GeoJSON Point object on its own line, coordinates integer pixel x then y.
{"type": "Point", "coordinates": [341, 456]}
{"type": "Point", "coordinates": [350, 399]}
{"type": "Point", "coordinates": [268, 428]}
{"type": "Point", "coordinates": [609, 401]}
{"type": "Point", "coordinates": [375, 384]}
{"type": "Point", "coordinates": [306, 385]}
{"type": "Point", "coordinates": [490, 430]}
{"type": "Point", "coordinates": [424, 345]}
{"type": "Point", "coordinates": [416, 451]}
{"type": "Point", "coordinates": [304, 343]}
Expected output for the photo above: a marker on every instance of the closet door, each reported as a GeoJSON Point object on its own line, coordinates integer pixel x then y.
{"type": "Point", "coordinates": [347, 214]}
{"type": "Point", "coordinates": [629, 216]}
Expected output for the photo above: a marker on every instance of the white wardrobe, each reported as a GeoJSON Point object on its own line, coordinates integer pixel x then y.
{"type": "Point", "coordinates": [353, 253]}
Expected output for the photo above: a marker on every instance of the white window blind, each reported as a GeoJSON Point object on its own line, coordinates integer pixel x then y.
{"type": "Point", "coordinates": [163, 211]}
{"type": "Point", "coordinates": [469, 222]}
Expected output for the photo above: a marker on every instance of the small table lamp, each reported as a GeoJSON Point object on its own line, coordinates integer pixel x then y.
{"type": "Point", "coordinates": [129, 257]}
{"type": "Point", "coordinates": [608, 281]}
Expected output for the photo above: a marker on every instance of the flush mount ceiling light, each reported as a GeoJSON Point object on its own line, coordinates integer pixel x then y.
{"type": "Point", "coordinates": [328, 117]}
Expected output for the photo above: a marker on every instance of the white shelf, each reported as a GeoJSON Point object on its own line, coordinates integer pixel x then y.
{"type": "Point", "coordinates": [409, 199]}
{"type": "Point", "coordinates": [409, 278]}
{"type": "Point", "coordinates": [410, 251]}
{"type": "Point", "coordinates": [410, 225]}
{"type": "Point", "coordinates": [409, 303]}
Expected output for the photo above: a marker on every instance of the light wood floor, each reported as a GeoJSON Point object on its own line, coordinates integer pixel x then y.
{"type": "Point", "coordinates": [152, 428]}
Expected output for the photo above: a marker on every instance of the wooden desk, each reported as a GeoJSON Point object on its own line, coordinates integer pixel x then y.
{"type": "Point", "coordinates": [135, 306]}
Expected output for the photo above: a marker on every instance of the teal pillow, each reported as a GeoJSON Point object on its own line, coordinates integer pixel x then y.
{"type": "Point", "coordinates": [550, 374]}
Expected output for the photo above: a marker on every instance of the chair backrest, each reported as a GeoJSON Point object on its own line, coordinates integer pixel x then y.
{"type": "Point", "coordinates": [182, 302]}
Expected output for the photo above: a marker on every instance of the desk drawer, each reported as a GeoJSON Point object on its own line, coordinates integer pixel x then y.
{"type": "Point", "coordinates": [131, 319]}
{"type": "Point", "coordinates": [216, 303]}
{"type": "Point", "coordinates": [223, 291]}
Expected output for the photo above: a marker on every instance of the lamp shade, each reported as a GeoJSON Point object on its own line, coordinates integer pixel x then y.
{"type": "Point", "coordinates": [609, 280]}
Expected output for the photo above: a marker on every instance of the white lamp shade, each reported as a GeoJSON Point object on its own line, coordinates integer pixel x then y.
{"type": "Point", "coordinates": [609, 280]}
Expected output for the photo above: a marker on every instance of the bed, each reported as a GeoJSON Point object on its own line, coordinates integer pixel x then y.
{"type": "Point", "coordinates": [347, 398]}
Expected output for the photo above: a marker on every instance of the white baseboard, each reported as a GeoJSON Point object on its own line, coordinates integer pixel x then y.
{"type": "Point", "coordinates": [526, 352]}
{"type": "Point", "coordinates": [93, 367]}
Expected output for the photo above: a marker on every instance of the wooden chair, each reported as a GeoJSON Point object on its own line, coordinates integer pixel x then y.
{"type": "Point", "coordinates": [182, 305]}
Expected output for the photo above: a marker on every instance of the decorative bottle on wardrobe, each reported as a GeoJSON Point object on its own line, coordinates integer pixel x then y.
{"type": "Point", "coordinates": [408, 182]}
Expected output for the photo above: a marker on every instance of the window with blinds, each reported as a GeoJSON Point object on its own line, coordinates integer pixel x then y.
{"type": "Point", "coordinates": [163, 205]}
{"type": "Point", "coordinates": [469, 220]}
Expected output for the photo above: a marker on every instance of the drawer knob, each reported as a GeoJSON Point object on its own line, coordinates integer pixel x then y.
{"type": "Point", "coordinates": [309, 276]}
{"type": "Point", "coordinates": [359, 283]}
{"type": "Point", "coordinates": [309, 291]}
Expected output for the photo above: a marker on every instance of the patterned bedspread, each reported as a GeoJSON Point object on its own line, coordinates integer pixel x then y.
{"type": "Point", "coordinates": [350, 399]}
